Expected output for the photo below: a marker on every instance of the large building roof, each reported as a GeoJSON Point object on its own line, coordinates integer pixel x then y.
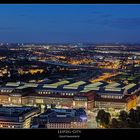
{"type": "Point", "coordinates": [68, 86]}
{"type": "Point", "coordinates": [74, 85]}
{"type": "Point", "coordinates": [13, 113]}
{"type": "Point", "coordinates": [63, 115]}
{"type": "Point", "coordinates": [55, 85]}
{"type": "Point", "coordinates": [12, 84]}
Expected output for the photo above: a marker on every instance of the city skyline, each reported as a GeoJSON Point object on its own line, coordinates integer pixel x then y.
{"type": "Point", "coordinates": [56, 23]}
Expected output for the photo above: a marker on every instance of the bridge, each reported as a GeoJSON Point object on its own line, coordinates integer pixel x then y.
{"type": "Point", "coordinates": [78, 66]}
{"type": "Point", "coordinates": [69, 65]}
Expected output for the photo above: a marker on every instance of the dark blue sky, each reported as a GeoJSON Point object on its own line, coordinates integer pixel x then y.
{"type": "Point", "coordinates": [70, 23]}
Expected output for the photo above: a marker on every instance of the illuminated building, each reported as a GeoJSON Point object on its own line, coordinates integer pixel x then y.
{"type": "Point", "coordinates": [32, 71]}
{"type": "Point", "coordinates": [61, 119]}
{"type": "Point", "coordinates": [68, 94]}
{"type": "Point", "coordinates": [34, 94]}
{"type": "Point", "coordinates": [118, 96]}
{"type": "Point", "coordinates": [17, 117]}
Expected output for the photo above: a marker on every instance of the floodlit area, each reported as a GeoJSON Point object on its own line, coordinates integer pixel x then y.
{"type": "Point", "coordinates": [13, 84]}
{"type": "Point", "coordinates": [129, 86]}
{"type": "Point", "coordinates": [74, 85]}
{"type": "Point", "coordinates": [55, 85]}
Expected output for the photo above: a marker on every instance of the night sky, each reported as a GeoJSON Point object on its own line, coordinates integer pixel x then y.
{"type": "Point", "coordinates": [55, 23]}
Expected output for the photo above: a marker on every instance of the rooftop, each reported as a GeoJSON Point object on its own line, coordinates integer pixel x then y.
{"type": "Point", "coordinates": [96, 84]}
{"type": "Point", "coordinates": [129, 86]}
{"type": "Point", "coordinates": [13, 84]}
{"type": "Point", "coordinates": [112, 85]}
{"type": "Point", "coordinates": [68, 86]}
{"type": "Point", "coordinates": [31, 85]}
{"type": "Point", "coordinates": [64, 115]}
{"type": "Point", "coordinates": [74, 85]}
{"type": "Point", "coordinates": [15, 111]}
{"type": "Point", "coordinates": [55, 85]}
{"type": "Point", "coordinates": [90, 89]}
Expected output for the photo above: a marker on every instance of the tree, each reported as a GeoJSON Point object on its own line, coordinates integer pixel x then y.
{"type": "Point", "coordinates": [53, 106]}
{"type": "Point", "coordinates": [100, 115]}
{"type": "Point", "coordinates": [114, 123]}
{"type": "Point", "coordinates": [138, 108]}
{"type": "Point", "coordinates": [123, 115]}
{"type": "Point", "coordinates": [138, 115]}
{"type": "Point", "coordinates": [103, 118]}
{"type": "Point", "coordinates": [132, 115]}
{"type": "Point", "coordinates": [106, 120]}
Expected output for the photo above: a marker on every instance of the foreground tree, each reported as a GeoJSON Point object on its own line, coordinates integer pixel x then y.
{"type": "Point", "coordinates": [132, 115]}
{"type": "Point", "coordinates": [123, 115]}
{"type": "Point", "coordinates": [103, 118]}
{"type": "Point", "coordinates": [114, 123]}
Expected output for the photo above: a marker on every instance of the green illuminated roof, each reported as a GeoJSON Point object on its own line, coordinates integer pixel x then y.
{"type": "Point", "coordinates": [96, 84]}
{"type": "Point", "coordinates": [129, 86]}
{"type": "Point", "coordinates": [112, 85]}
{"type": "Point", "coordinates": [89, 89]}
{"type": "Point", "coordinates": [55, 85]}
{"type": "Point", "coordinates": [113, 89]}
{"type": "Point", "coordinates": [13, 84]}
{"type": "Point", "coordinates": [21, 87]}
{"type": "Point", "coordinates": [31, 85]}
{"type": "Point", "coordinates": [74, 85]}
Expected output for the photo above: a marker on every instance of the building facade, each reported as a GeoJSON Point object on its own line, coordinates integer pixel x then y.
{"type": "Point", "coordinates": [76, 95]}
{"type": "Point", "coordinates": [17, 117]}
{"type": "Point", "coordinates": [61, 119]}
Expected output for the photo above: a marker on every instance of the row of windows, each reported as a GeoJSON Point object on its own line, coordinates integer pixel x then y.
{"type": "Point", "coordinates": [47, 92]}
{"type": "Point", "coordinates": [4, 123]}
{"type": "Point", "coordinates": [109, 104]}
{"type": "Point", "coordinates": [97, 102]}
{"type": "Point", "coordinates": [113, 97]}
{"type": "Point", "coordinates": [70, 94]}
{"type": "Point", "coordinates": [8, 126]}
{"type": "Point", "coordinates": [65, 126]}
{"type": "Point", "coordinates": [5, 90]}
{"type": "Point", "coordinates": [58, 125]}
{"type": "Point", "coordinates": [44, 92]}
{"type": "Point", "coordinates": [80, 99]}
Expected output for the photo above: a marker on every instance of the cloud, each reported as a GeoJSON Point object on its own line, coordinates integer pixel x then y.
{"type": "Point", "coordinates": [7, 28]}
{"type": "Point", "coordinates": [125, 23]}
{"type": "Point", "coordinates": [100, 14]}
{"type": "Point", "coordinates": [115, 22]}
{"type": "Point", "coordinates": [129, 21]}
{"type": "Point", "coordinates": [96, 12]}
{"type": "Point", "coordinates": [22, 15]}
{"type": "Point", "coordinates": [25, 15]}
{"type": "Point", "coordinates": [99, 18]}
